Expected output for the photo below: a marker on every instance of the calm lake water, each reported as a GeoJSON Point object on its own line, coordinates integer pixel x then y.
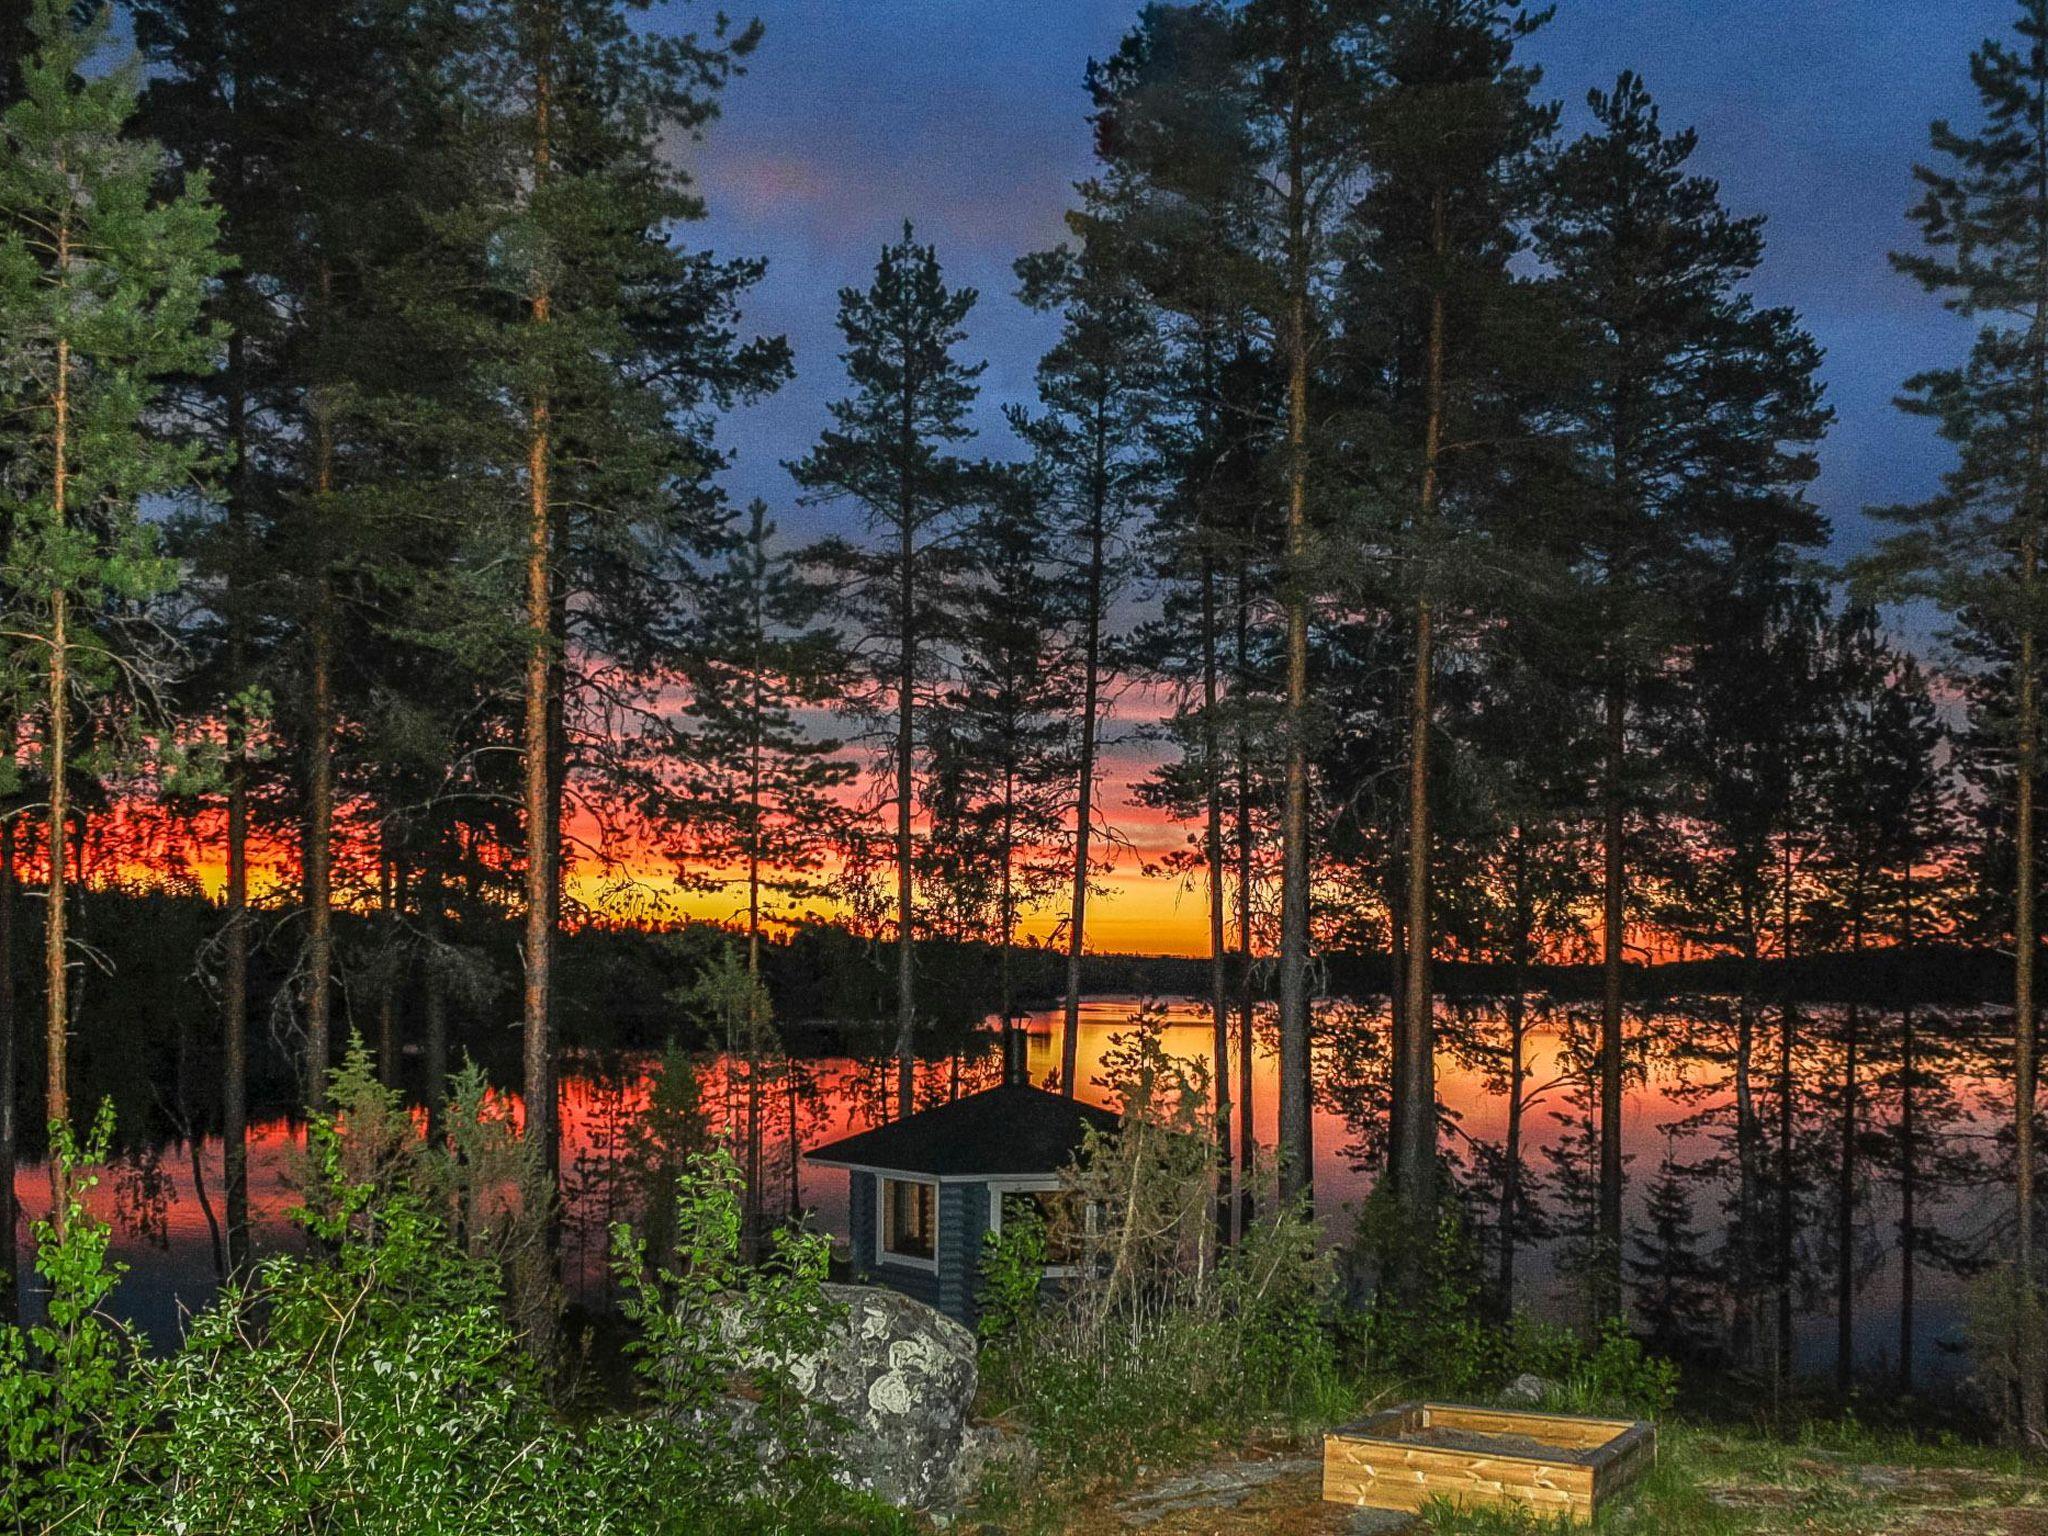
{"type": "Point", "coordinates": [1675, 1116]}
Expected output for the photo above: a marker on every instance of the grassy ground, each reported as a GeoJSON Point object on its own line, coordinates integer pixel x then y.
{"type": "Point", "coordinates": [1710, 1482]}
{"type": "Point", "coordinates": [1707, 1482]}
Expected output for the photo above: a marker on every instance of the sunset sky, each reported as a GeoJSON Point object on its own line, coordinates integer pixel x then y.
{"type": "Point", "coordinates": [968, 118]}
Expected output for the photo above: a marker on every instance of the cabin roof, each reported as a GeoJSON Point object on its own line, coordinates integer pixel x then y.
{"type": "Point", "coordinates": [1014, 1131]}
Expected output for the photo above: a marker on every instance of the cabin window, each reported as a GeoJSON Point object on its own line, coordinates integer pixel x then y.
{"type": "Point", "coordinates": [910, 1220]}
{"type": "Point", "coordinates": [1054, 1210]}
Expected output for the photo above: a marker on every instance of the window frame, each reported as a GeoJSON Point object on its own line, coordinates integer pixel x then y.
{"type": "Point", "coordinates": [883, 1253]}
{"type": "Point", "coordinates": [999, 1188]}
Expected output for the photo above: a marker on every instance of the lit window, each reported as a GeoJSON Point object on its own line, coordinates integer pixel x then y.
{"type": "Point", "coordinates": [910, 1219]}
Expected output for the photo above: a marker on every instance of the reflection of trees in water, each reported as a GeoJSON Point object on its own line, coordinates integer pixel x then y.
{"type": "Point", "coordinates": [1680, 1298]}
{"type": "Point", "coordinates": [600, 1184]}
{"type": "Point", "coordinates": [144, 1192]}
{"type": "Point", "coordinates": [1354, 1078]}
{"type": "Point", "coordinates": [1925, 1145]}
{"type": "Point", "coordinates": [1926, 1164]}
{"type": "Point", "coordinates": [1877, 1127]}
{"type": "Point", "coordinates": [1494, 1039]}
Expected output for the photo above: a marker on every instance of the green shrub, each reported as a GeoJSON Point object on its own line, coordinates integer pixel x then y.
{"type": "Point", "coordinates": [1447, 1343]}
{"type": "Point", "coordinates": [379, 1384]}
{"type": "Point", "coordinates": [70, 1405]}
{"type": "Point", "coordinates": [712, 1332]}
{"type": "Point", "coordinates": [1158, 1341]}
{"type": "Point", "coordinates": [1614, 1375]}
{"type": "Point", "coordinates": [1441, 1340]}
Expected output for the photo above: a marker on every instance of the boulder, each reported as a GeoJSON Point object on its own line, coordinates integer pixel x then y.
{"type": "Point", "coordinates": [896, 1383]}
{"type": "Point", "coordinates": [1527, 1390]}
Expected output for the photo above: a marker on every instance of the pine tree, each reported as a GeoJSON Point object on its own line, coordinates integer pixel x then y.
{"type": "Point", "coordinates": [1983, 218]}
{"type": "Point", "coordinates": [1435, 327]}
{"type": "Point", "coordinates": [1310, 70]}
{"type": "Point", "coordinates": [1093, 450]}
{"type": "Point", "coordinates": [1023, 672]}
{"type": "Point", "coordinates": [889, 452]}
{"type": "Point", "coordinates": [1692, 416]}
{"type": "Point", "coordinates": [101, 286]}
{"type": "Point", "coordinates": [604, 347]}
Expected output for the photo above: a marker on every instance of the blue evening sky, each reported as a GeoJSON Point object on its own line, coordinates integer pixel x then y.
{"type": "Point", "coordinates": [967, 116]}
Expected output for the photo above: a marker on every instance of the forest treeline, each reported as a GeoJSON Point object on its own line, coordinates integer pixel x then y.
{"type": "Point", "coordinates": [1439, 466]}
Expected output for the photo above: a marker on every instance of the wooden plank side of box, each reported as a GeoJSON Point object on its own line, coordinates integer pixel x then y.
{"type": "Point", "coordinates": [1623, 1460]}
{"type": "Point", "coordinates": [1384, 1474]}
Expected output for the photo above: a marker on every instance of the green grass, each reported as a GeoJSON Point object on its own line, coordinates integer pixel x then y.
{"type": "Point", "coordinates": [1828, 1478]}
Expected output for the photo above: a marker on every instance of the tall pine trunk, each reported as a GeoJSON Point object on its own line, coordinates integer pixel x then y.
{"type": "Point", "coordinates": [434, 1016]}
{"type": "Point", "coordinates": [537, 738]}
{"type": "Point", "coordinates": [2032, 1359]}
{"type": "Point", "coordinates": [1518, 1034]}
{"type": "Point", "coordinates": [756, 1196]}
{"type": "Point", "coordinates": [1084, 796]}
{"type": "Point", "coordinates": [319, 850]}
{"type": "Point", "coordinates": [387, 986]}
{"type": "Point", "coordinates": [1845, 1206]}
{"type": "Point", "coordinates": [234, 1088]}
{"type": "Point", "coordinates": [1742, 1240]}
{"type": "Point", "coordinates": [56, 998]}
{"type": "Point", "coordinates": [1247, 1137]}
{"type": "Point", "coordinates": [1788, 1029]}
{"type": "Point", "coordinates": [1613, 937]}
{"type": "Point", "coordinates": [1212, 856]}
{"type": "Point", "coordinates": [10, 1216]}
{"type": "Point", "coordinates": [1414, 1149]}
{"type": "Point", "coordinates": [1297, 1150]}
{"type": "Point", "coordinates": [906, 763]}
{"type": "Point", "coordinates": [1909, 1194]}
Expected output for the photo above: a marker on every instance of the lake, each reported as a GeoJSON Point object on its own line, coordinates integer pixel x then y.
{"type": "Point", "coordinates": [1676, 1121]}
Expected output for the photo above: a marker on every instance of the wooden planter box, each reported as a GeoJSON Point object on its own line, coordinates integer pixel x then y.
{"type": "Point", "coordinates": [1547, 1463]}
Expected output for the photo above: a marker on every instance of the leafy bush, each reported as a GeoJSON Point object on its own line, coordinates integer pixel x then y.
{"type": "Point", "coordinates": [1615, 1374]}
{"type": "Point", "coordinates": [68, 1385]}
{"type": "Point", "coordinates": [1158, 1339]}
{"type": "Point", "coordinates": [376, 1387]}
{"type": "Point", "coordinates": [717, 1351]}
{"type": "Point", "coordinates": [1446, 1343]}
{"type": "Point", "coordinates": [2001, 1309]}
{"type": "Point", "coordinates": [379, 1384]}
{"type": "Point", "coordinates": [1440, 1339]}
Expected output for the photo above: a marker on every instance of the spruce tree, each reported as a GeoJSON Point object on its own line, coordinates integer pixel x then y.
{"type": "Point", "coordinates": [1983, 219]}
{"type": "Point", "coordinates": [1691, 414]}
{"type": "Point", "coordinates": [102, 281]}
{"type": "Point", "coordinates": [889, 452]}
{"type": "Point", "coordinates": [1676, 1290]}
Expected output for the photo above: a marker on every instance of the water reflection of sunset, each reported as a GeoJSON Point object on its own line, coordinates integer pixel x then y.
{"type": "Point", "coordinates": [163, 1234]}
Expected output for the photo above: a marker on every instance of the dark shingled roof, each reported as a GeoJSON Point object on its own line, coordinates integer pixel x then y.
{"type": "Point", "coordinates": [1006, 1132]}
